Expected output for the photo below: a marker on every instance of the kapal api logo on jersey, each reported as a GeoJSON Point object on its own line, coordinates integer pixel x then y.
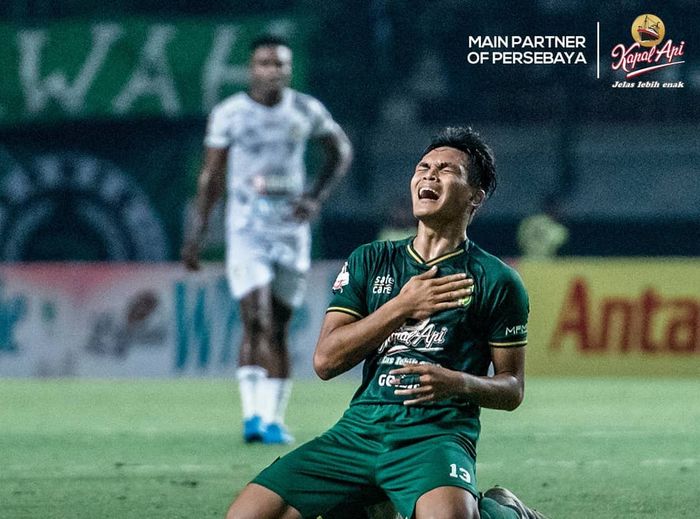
{"type": "Point", "coordinates": [420, 336]}
{"type": "Point", "coordinates": [649, 53]}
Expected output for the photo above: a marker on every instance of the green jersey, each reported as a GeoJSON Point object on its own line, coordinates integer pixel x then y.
{"type": "Point", "coordinates": [458, 339]}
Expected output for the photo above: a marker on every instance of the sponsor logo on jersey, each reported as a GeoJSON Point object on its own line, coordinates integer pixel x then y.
{"type": "Point", "coordinates": [342, 279]}
{"type": "Point", "coordinates": [273, 183]}
{"type": "Point", "coordinates": [383, 285]}
{"type": "Point", "coordinates": [516, 330]}
{"type": "Point", "coordinates": [421, 336]}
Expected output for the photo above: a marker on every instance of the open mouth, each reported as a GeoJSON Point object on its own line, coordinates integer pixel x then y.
{"type": "Point", "coordinates": [426, 193]}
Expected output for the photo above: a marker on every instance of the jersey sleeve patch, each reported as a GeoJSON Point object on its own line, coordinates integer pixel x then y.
{"type": "Point", "coordinates": [342, 280]}
{"type": "Point", "coordinates": [509, 314]}
{"type": "Point", "coordinates": [350, 286]}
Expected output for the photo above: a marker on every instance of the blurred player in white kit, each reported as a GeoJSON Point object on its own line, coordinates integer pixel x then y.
{"type": "Point", "coordinates": [254, 149]}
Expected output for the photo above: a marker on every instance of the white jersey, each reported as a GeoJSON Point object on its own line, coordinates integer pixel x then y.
{"type": "Point", "coordinates": [266, 171]}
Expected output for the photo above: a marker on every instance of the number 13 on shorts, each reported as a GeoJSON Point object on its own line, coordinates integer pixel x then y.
{"type": "Point", "coordinates": [460, 472]}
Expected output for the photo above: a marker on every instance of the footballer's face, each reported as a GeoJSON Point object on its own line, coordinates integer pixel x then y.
{"type": "Point", "coordinates": [270, 68]}
{"type": "Point", "coordinates": [440, 189]}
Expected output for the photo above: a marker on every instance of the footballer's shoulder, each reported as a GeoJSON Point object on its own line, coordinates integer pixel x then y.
{"type": "Point", "coordinates": [308, 105]}
{"type": "Point", "coordinates": [302, 100]}
{"type": "Point", "coordinates": [395, 244]}
{"type": "Point", "coordinates": [390, 246]}
{"type": "Point", "coordinates": [232, 103]}
{"type": "Point", "coordinates": [491, 266]}
{"type": "Point", "coordinates": [377, 249]}
{"type": "Point", "coordinates": [371, 248]}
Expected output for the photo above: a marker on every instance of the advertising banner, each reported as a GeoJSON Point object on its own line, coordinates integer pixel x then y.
{"type": "Point", "coordinates": [135, 320]}
{"type": "Point", "coordinates": [588, 318]}
{"type": "Point", "coordinates": [128, 68]}
{"type": "Point", "coordinates": [613, 317]}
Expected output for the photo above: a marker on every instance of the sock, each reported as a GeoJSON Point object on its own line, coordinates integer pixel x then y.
{"type": "Point", "coordinates": [273, 397]}
{"type": "Point", "coordinates": [249, 378]}
{"type": "Point", "coordinates": [490, 509]}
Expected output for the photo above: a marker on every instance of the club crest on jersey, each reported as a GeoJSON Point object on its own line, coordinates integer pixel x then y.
{"type": "Point", "coordinates": [342, 279]}
{"type": "Point", "coordinates": [421, 336]}
{"type": "Point", "coordinates": [466, 301]}
{"type": "Point", "coordinates": [383, 285]}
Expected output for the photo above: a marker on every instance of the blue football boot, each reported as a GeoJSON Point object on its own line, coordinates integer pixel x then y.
{"type": "Point", "coordinates": [277, 434]}
{"type": "Point", "coordinates": [253, 430]}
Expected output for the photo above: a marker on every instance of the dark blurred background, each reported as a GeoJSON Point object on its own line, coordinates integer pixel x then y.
{"type": "Point", "coordinates": [111, 181]}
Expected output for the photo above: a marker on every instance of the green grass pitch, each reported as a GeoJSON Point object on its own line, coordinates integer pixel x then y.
{"type": "Point", "coordinates": [576, 448]}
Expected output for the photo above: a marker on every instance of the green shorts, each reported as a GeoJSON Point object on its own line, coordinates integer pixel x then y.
{"type": "Point", "coordinates": [375, 452]}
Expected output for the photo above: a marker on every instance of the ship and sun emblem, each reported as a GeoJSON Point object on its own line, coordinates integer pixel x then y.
{"type": "Point", "coordinates": [648, 30]}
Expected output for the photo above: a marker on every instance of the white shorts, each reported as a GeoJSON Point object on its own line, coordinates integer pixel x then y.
{"type": "Point", "coordinates": [255, 260]}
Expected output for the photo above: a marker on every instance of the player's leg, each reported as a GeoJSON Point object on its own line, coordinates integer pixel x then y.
{"type": "Point", "coordinates": [447, 503]}
{"type": "Point", "coordinates": [250, 275]}
{"type": "Point", "coordinates": [257, 319]}
{"type": "Point", "coordinates": [321, 477]}
{"type": "Point", "coordinates": [426, 471]}
{"type": "Point", "coordinates": [288, 288]}
{"type": "Point", "coordinates": [454, 502]}
{"type": "Point", "coordinates": [281, 317]}
{"type": "Point", "coordinates": [249, 375]}
{"type": "Point", "coordinates": [252, 361]}
{"type": "Point", "coordinates": [382, 510]}
{"type": "Point", "coordinates": [277, 386]}
{"type": "Point", "coordinates": [258, 502]}
{"type": "Point", "coordinates": [260, 321]}
{"type": "Point", "coordinates": [371, 504]}
{"type": "Point", "coordinates": [265, 328]}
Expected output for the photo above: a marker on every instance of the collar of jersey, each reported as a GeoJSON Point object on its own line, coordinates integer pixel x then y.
{"type": "Point", "coordinates": [459, 250]}
{"type": "Point", "coordinates": [282, 102]}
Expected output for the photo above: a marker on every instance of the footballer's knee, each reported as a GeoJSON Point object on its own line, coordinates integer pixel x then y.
{"type": "Point", "coordinates": [258, 502]}
{"type": "Point", "coordinates": [447, 503]}
{"type": "Point", "coordinates": [256, 314]}
{"type": "Point", "coordinates": [240, 509]}
{"type": "Point", "coordinates": [241, 512]}
{"type": "Point", "coordinates": [258, 324]}
{"type": "Point", "coordinates": [449, 514]}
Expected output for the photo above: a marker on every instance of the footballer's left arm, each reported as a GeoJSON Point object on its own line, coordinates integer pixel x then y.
{"type": "Point", "coordinates": [504, 390]}
{"type": "Point", "coordinates": [337, 158]}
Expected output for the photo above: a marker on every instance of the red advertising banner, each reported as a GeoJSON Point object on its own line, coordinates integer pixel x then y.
{"type": "Point", "coordinates": [614, 317]}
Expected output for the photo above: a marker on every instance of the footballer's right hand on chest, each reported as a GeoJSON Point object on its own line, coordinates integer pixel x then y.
{"type": "Point", "coordinates": [426, 294]}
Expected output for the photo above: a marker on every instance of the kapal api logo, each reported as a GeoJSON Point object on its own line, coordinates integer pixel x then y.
{"type": "Point", "coordinates": [420, 336]}
{"type": "Point", "coordinates": [648, 53]}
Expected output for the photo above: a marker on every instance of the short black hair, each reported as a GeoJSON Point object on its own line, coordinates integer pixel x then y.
{"type": "Point", "coordinates": [268, 40]}
{"type": "Point", "coordinates": [481, 170]}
